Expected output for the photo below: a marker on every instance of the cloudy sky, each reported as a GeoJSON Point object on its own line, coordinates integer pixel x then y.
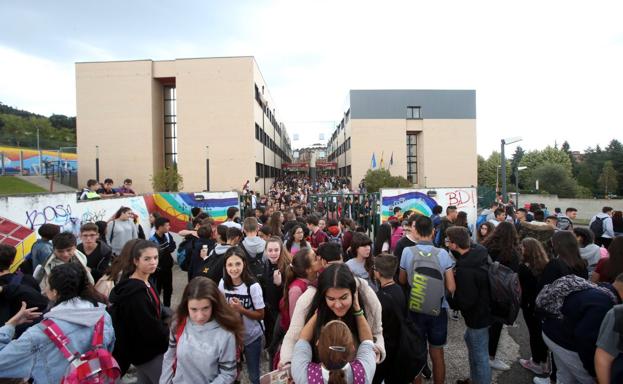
{"type": "Point", "coordinates": [547, 71]}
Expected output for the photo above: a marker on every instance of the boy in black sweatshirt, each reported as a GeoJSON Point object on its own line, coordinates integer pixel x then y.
{"type": "Point", "coordinates": [166, 246]}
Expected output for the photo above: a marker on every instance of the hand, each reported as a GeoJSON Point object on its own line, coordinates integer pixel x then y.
{"type": "Point", "coordinates": [203, 253]}
{"type": "Point", "coordinates": [356, 306]}
{"type": "Point", "coordinates": [277, 277]}
{"type": "Point", "coordinates": [235, 304]}
{"type": "Point", "coordinates": [24, 315]}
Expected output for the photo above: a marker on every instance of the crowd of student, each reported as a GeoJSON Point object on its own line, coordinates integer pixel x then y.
{"type": "Point", "coordinates": [327, 302]}
{"type": "Point", "coordinates": [106, 190]}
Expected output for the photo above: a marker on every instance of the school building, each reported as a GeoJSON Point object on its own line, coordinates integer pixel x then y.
{"type": "Point", "coordinates": [426, 136]}
{"type": "Point", "coordinates": [213, 118]}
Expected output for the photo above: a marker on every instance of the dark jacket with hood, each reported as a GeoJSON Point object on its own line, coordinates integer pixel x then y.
{"type": "Point", "coordinates": [212, 266]}
{"type": "Point", "coordinates": [578, 330]}
{"type": "Point", "coordinates": [140, 332]}
{"type": "Point", "coordinates": [472, 287]}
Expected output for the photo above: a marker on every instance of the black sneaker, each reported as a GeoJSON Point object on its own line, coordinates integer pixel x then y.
{"type": "Point", "coordinates": [426, 372]}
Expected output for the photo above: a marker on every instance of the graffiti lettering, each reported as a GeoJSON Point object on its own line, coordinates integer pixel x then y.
{"type": "Point", "coordinates": [459, 198]}
{"type": "Point", "coordinates": [59, 215]}
{"type": "Point", "coordinates": [93, 216]}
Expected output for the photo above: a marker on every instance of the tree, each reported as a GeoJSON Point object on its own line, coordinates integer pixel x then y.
{"type": "Point", "coordinates": [515, 161]}
{"type": "Point", "coordinates": [167, 180]}
{"type": "Point", "coordinates": [381, 178]}
{"type": "Point", "coordinates": [608, 178]}
{"type": "Point", "coordinates": [555, 179]}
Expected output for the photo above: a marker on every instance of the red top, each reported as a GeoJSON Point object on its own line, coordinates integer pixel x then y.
{"type": "Point", "coordinates": [302, 285]}
{"type": "Point", "coordinates": [318, 238]}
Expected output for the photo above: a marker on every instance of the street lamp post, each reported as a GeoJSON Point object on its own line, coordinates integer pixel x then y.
{"type": "Point", "coordinates": [517, 169]}
{"type": "Point", "coordinates": [97, 163]}
{"type": "Point", "coordinates": [505, 142]}
{"type": "Point", "coordinates": [207, 168]}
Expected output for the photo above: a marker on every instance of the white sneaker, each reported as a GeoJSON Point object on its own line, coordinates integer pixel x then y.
{"type": "Point", "coordinates": [498, 364]}
{"type": "Point", "coordinates": [541, 380]}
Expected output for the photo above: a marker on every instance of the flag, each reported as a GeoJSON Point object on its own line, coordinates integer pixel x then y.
{"type": "Point", "coordinates": [382, 153]}
{"type": "Point", "coordinates": [391, 159]}
{"type": "Point", "coordinates": [373, 161]}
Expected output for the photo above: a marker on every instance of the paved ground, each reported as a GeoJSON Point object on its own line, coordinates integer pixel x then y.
{"type": "Point", "coordinates": [43, 182]}
{"type": "Point", "coordinates": [513, 344]}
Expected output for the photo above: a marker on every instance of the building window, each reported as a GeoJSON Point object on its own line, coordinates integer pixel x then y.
{"type": "Point", "coordinates": [170, 127]}
{"type": "Point", "coordinates": [412, 157]}
{"type": "Point", "coordinates": [414, 112]}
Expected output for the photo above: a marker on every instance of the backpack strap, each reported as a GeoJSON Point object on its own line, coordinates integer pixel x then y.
{"type": "Point", "coordinates": [58, 338]}
{"type": "Point", "coordinates": [98, 333]}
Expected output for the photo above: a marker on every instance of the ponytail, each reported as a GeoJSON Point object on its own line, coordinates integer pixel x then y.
{"type": "Point", "coordinates": [297, 269]}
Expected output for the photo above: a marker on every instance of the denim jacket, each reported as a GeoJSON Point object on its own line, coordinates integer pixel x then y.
{"type": "Point", "coordinates": [34, 355]}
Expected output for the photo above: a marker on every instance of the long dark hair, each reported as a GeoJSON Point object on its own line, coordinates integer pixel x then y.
{"type": "Point", "coordinates": [297, 269]}
{"type": "Point", "coordinates": [335, 276]}
{"type": "Point", "coordinates": [534, 255]}
{"type": "Point", "coordinates": [246, 276]}
{"type": "Point", "coordinates": [275, 223]}
{"type": "Point", "coordinates": [120, 211]}
{"type": "Point", "coordinates": [566, 248]}
{"type": "Point", "coordinates": [201, 288]}
{"type": "Point", "coordinates": [490, 229]}
{"type": "Point", "coordinates": [70, 281]}
{"type": "Point", "coordinates": [290, 240]}
{"type": "Point", "coordinates": [504, 241]}
{"type": "Point", "coordinates": [131, 252]}
{"type": "Point", "coordinates": [384, 234]}
{"type": "Point", "coordinates": [361, 240]}
{"type": "Point", "coordinates": [614, 265]}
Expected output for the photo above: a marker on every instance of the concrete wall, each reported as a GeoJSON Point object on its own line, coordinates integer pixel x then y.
{"type": "Point", "coordinates": [587, 208]}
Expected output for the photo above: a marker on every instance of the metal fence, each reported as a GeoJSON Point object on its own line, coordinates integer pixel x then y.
{"type": "Point", "coordinates": [61, 174]}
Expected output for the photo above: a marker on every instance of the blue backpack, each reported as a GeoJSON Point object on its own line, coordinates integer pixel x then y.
{"type": "Point", "coordinates": [481, 220]}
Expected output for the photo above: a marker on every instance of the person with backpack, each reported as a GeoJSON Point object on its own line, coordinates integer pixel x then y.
{"type": "Point", "coordinates": [446, 222]}
{"type": "Point", "coordinates": [427, 273]}
{"type": "Point", "coordinates": [334, 231]}
{"type": "Point", "coordinates": [471, 297]}
{"type": "Point", "coordinates": [166, 245]}
{"type": "Point", "coordinates": [503, 247]}
{"type": "Point", "coordinates": [244, 295]}
{"type": "Point", "coordinates": [575, 309]}
{"type": "Point", "coordinates": [16, 288]}
{"type": "Point", "coordinates": [317, 236]}
{"type": "Point", "coordinates": [76, 317]}
{"type": "Point", "coordinates": [300, 274]}
{"type": "Point", "coordinates": [203, 338]}
{"type": "Point", "coordinates": [138, 318]}
{"type": "Point", "coordinates": [253, 247]}
{"type": "Point", "coordinates": [602, 227]}
{"type": "Point", "coordinates": [203, 260]}
{"type": "Point", "coordinates": [65, 251]}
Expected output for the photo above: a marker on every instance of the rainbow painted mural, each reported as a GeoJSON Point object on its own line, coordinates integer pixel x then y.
{"type": "Point", "coordinates": [176, 206]}
{"type": "Point", "coordinates": [415, 201]}
{"type": "Point", "coordinates": [31, 158]}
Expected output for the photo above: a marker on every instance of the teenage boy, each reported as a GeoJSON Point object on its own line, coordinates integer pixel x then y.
{"type": "Point", "coordinates": [317, 236]}
{"type": "Point", "coordinates": [408, 240]}
{"type": "Point", "coordinates": [98, 253]}
{"type": "Point", "coordinates": [90, 192]}
{"type": "Point", "coordinates": [107, 190]}
{"type": "Point", "coordinates": [472, 299]}
{"type": "Point", "coordinates": [64, 251]}
{"type": "Point", "coordinates": [126, 188]}
{"type": "Point", "coordinates": [206, 262]}
{"type": "Point", "coordinates": [394, 310]}
{"type": "Point", "coordinates": [499, 217]}
{"type": "Point", "coordinates": [42, 248]}
{"type": "Point", "coordinates": [166, 245]}
{"type": "Point", "coordinates": [434, 329]}
{"type": "Point", "coordinates": [252, 244]}
{"type": "Point", "coordinates": [232, 213]}
{"type": "Point", "coordinates": [447, 222]}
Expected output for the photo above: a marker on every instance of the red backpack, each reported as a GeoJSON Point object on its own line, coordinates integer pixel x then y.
{"type": "Point", "coordinates": [96, 366]}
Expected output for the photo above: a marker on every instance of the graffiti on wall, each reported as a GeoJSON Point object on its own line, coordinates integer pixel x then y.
{"type": "Point", "coordinates": [423, 201]}
{"type": "Point", "coordinates": [30, 157]}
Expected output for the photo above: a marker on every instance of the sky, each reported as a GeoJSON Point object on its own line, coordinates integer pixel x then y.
{"type": "Point", "coordinates": [546, 71]}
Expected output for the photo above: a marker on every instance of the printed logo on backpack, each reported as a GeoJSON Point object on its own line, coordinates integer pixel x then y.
{"type": "Point", "coordinates": [427, 285]}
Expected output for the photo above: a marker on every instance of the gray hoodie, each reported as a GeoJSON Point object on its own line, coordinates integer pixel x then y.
{"type": "Point", "coordinates": [205, 354]}
{"type": "Point", "coordinates": [591, 253]}
{"type": "Point", "coordinates": [254, 245]}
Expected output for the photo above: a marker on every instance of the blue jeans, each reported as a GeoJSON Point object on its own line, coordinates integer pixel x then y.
{"type": "Point", "coordinates": [252, 354]}
{"type": "Point", "coordinates": [477, 341]}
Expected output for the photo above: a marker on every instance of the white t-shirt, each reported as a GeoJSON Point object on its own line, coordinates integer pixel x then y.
{"type": "Point", "coordinates": [229, 224]}
{"type": "Point", "coordinates": [252, 328]}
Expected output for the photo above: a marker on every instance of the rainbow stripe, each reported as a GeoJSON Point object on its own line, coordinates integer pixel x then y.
{"type": "Point", "coordinates": [414, 201]}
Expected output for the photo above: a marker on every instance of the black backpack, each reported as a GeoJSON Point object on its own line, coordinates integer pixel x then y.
{"type": "Point", "coordinates": [597, 227]}
{"type": "Point", "coordinates": [505, 292]}
{"type": "Point", "coordinates": [185, 252]}
{"type": "Point", "coordinates": [255, 264]}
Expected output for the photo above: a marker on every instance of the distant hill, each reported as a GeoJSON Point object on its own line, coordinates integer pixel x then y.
{"type": "Point", "coordinates": [19, 128]}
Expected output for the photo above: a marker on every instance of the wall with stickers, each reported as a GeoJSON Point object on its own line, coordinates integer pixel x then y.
{"type": "Point", "coordinates": [422, 201]}
{"type": "Point", "coordinates": [21, 216]}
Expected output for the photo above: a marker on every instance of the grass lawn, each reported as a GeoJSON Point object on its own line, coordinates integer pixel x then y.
{"type": "Point", "coordinates": [10, 185]}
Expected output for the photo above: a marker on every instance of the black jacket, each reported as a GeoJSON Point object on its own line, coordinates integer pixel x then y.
{"type": "Point", "coordinates": [24, 288]}
{"type": "Point", "coordinates": [198, 266]}
{"type": "Point", "coordinates": [140, 332]}
{"type": "Point", "coordinates": [99, 260]}
{"type": "Point", "coordinates": [272, 293]}
{"type": "Point", "coordinates": [472, 287]}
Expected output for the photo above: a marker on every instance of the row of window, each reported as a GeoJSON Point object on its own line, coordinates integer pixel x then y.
{"type": "Point", "coordinates": [341, 149]}
{"type": "Point", "coordinates": [266, 110]}
{"type": "Point", "coordinates": [344, 171]}
{"type": "Point", "coordinates": [170, 126]}
{"type": "Point", "coordinates": [412, 157]}
{"type": "Point", "coordinates": [263, 138]}
{"type": "Point", "coordinates": [263, 170]}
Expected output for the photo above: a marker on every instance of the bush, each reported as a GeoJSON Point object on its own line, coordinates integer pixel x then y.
{"type": "Point", "coordinates": [167, 180]}
{"type": "Point", "coordinates": [381, 178]}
